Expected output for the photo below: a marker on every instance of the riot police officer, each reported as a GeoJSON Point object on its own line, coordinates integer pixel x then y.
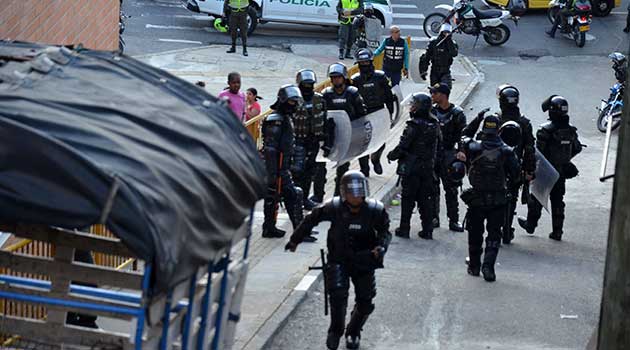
{"type": "Point", "coordinates": [491, 164]}
{"type": "Point", "coordinates": [357, 242]}
{"type": "Point", "coordinates": [452, 122]}
{"type": "Point", "coordinates": [376, 91]}
{"type": "Point", "coordinates": [440, 54]}
{"type": "Point", "coordinates": [509, 98]}
{"type": "Point", "coordinates": [342, 96]}
{"type": "Point", "coordinates": [558, 141]}
{"type": "Point", "coordinates": [309, 126]}
{"type": "Point", "coordinates": [420, 145]}
{"type": "Point", "coordinates": [278, 139]}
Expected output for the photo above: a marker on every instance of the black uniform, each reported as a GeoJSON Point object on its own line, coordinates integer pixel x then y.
{"type": "Point", "coordinates": [376, 91]}
{"type": "Point", "coordinates": [440, 58]}
{"type": "Point", "coordinates": [492, 163]}
{"type": "Point", "coordinates": [308, 124]}
{"type": "Point", "coordinates": [558, 141]}
{"type": "Point", "coordinates": [278, 141]}
{"type": "Point", "coordinates": [351, 239]}
{"type": "Point", "coordinates": [350, 101]}
{"type": "Point", "coordinates": [420, 145]}
{"type": "Point", "coordinates": [452, 123]}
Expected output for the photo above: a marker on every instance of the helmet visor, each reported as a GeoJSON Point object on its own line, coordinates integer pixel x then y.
{"type": "Point", "coordinates": [293, 93]}
{"type": "Point", "coordinates": [307, 76]}
{"type": "Point", "coordinates": [355, 188]}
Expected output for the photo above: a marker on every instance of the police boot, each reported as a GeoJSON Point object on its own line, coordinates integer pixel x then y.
{"type": "Point", "coordinates": [354, 328]}
{"type": "Point", "coordinates": [556, 235]}
{"type": "Point", "coordinates": [269, 225]}
{"type": "Point", "coordinates": [316, 200]}
{"type": "Point", "coordinates": [455, 226]}
{"type": "Point", "coordinates": [557, 221]}
{"type": "Point", "coordinates": [626, 30]}
{"type": "Point", "coordinates": [271, 231]}
{"type": "Point", "coordinates": [426, 234]}
{"type": "Point", "coordinates": [528, 227]}
{"type": "Point", "coordinates": [309, 204]}
{"type": "Point", "coordinates": [341, 56]}
{"type": "Point", "coordinates": [332, 341]}
{"type": "Point", "coordinates": [474, 260]}
{"type": "Point", "coordinates": [402, 232]}
{"type": "Point", "coordinates": [349, 53]}
{"type": "Point", "coordinates": [232, 49]}
{"type": "Point", "coordinates": [378, 168]}
{"type": "Point", "coordinates": [489, 258]}
{"type": "Point", "coordinates": [436, 222]}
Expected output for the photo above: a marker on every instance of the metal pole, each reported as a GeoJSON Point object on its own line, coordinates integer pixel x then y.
{"type": "Point", "coordinates": [614, 324]}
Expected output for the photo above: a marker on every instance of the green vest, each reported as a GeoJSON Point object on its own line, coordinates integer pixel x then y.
{"type": "Point", "coordinates": [349, 5]}
{"type": "Point", "coordinates": [238, 5]}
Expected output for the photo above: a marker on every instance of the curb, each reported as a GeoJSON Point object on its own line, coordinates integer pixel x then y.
{"type": "Point", "coordinates": [277, 321]}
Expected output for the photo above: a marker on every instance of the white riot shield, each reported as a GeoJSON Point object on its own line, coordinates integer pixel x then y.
{"type": "Point", "coordinates": [373, 32]}
{"type": "Point", "coordinates": [546, 177]}
{"type": "Point", "coordinates": [398, 106]}
{"type": "Point", "coordinates": [369, 133]}
{"type": "Point", "coordinates": [342, 138]}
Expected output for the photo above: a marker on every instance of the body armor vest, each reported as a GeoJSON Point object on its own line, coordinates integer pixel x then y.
{"type": "Point", "coordinates": [560, 149]}
{"type": "Point", "coordinates": [448, 125]}
{"type": "Point", "coordinates": [308, 121]}
{"type": "Point", "coordinates": [278, 134]}
{"type": "Point", "coordinates": [487, 173]}
{"type": "Point", "coordinates": [371, 89]}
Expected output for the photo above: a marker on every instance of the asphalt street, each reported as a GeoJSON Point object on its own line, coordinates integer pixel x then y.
{"type": "Point", "coordinates": [161, 25]}
{"type": "Point", "coordinates": [547, 293]}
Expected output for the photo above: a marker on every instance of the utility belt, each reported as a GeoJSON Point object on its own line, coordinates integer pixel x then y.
{"type": "Point", "coordinates": [238, 10]}
{"type": "Point", "coordinates": [475, 198]}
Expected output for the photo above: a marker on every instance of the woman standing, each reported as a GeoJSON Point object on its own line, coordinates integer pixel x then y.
{"type": "Point", "coordinates": [253, 107]}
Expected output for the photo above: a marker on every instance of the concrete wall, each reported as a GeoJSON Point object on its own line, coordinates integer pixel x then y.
{"type": "Point", "coordinates": [93, 23]}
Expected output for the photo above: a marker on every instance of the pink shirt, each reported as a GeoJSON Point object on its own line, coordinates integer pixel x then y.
{"type": "Point", "coordinates": [237, 103]}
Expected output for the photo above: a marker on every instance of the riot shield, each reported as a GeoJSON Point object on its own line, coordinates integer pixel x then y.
{"type": "Point", "coordinates": [373, 31]}
{"type": "Point", "coordinates": [398, 106]}
{"type": "Point", "coordinates": [546, 177]}
{"type": "Point", "coordinates": [342, 138]}
{"type": "Point", "coordinates": [358, 138]}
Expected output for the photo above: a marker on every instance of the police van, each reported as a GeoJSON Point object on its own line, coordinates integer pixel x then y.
{"type": "Point", "coordinates": [317, 12]}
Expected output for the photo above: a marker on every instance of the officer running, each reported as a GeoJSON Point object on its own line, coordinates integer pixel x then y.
{"type": "Point", "coordinates": [452, 122]}
{"type": "Point", "coordinates": [346, 11]}
{"type": "Point", "coordinates": [492, 163]}
{"type": "Point", "coordinates": [396, 56]}
{"type": "Point", "coordinates": [309, 126]}
{"type": "Point", "coordinates": [376, 92]}
{"type": "Point", "coordinates": [558, 141]}
{"type": "Point", "coordinates": [277, 131]}
{"type": "Point", "coordinates": [342, 96]}
{"type": "Point", "coordinates": [237, 11]}
{"type": "Point", "coordinates": [439, 55]}
{"type": "Point", "coordinates": [357, 242]}
{"type": "Point", "coordinates": [420, 145]}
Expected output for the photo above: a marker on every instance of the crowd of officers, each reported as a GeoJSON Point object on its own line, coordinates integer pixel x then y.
{"type": "Point", "coordinates": [437, 147]}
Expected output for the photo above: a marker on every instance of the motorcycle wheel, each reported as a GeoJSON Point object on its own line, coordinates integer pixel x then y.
{"type": "Point", "coordinates": [497, 36]}
{"type": "Point", "coordinates": [602, 121]}
{"type": "Point", "coordinates": [432, 24]}
{"type": "Point", "coordinates": [579, 37]}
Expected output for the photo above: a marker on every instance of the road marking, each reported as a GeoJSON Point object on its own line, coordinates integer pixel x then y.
{"type": "Point", "coordinates": [181, 41]}
{"type": "Point", "coordinates": [140, 4]}
{"type": "Point", "coordinates": [408, 15]}
{"type": "Point", "coordinates": [619, 13]}
{"type": "Point", "coordinates": [410, 26]}
{"type": "Point", "coordinates": [401, 6]}
{"type": "Point", "coordinates": [305, 283]}
{"type": "Point", "coordinates": [155, 26]}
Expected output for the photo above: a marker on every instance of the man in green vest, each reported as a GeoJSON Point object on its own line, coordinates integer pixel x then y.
{"type": "Point", "coordinates": [346, 11]}
{"type": "Point", "coordinates": [237, 11]}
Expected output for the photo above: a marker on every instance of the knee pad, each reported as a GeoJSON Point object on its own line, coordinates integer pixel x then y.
{"type": "Point", "coordinates": [365, 307]}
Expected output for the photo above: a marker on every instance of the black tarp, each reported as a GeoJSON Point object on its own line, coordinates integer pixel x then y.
{"type": "Point", "coordinates": [72, 123]}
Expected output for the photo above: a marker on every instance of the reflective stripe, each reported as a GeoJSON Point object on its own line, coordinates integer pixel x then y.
{"type": "Point", "coordinates": [348, 5]}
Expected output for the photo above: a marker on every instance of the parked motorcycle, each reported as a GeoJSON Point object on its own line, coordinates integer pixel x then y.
{"type": "Point", "coordinates": [577, 23]}
{"type": "Point", "coordinates": [611, 109]}
{"type": "Point", "coordinates": [467, 19]}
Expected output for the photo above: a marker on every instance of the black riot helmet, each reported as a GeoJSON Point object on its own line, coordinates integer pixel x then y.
{"type": "Point", "coordinates": [420, 105]}
{"type": "Point", "coordinates": [365, 58]}
{"type": "Point", "coordinates": [456, 171]}
{"type": "Point", "coordinates": [368, 9]}
{"type": "Point", "coordinates": [490, 125]}
{"type": "Point", "coordinates": [508, 96]}
{"type": "Point", "coordinates": [510, 133]}
{"type": "Point", "coordinates": [305, 80]}
{"type": "Point", "coordinates": [353, 183]}
{"type": "Point", "coordinates": [557, 106]}
{"type": "Point", "coordinates": [289, 98]}
{"type": "Point", "coordinates": [338, 69]}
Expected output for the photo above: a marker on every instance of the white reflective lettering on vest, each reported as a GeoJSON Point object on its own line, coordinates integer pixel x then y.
{"type": "Point", "coordinates": [368, 84]}
{"type": "Point", "coordinates": [355, 227]}
{"type": "Point", "coordinates": [339, 100]}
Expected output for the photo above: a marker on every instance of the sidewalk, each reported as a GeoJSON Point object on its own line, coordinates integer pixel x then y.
{"type": "Point", "coordinates": [279, 281]}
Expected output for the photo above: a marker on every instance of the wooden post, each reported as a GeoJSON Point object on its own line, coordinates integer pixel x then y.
{"type": "Point", "coordinates": [614, 324]}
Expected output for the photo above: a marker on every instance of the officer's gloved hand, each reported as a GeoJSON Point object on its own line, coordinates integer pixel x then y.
{"type": "Point", "coordinates": [379, 253]}
{"type": "Point", "coordinates": [392, 155]}
{"type": "Point", "coordinates": [326, 151]}
{"type": "Point", "coordinates": [290, 246]}
{"type": "Point", "coordinates": [423, 76]}
{"type": "Point", "coordinates": [481, 114]}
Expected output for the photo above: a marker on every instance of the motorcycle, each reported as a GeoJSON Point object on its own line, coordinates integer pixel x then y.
{"type": "Point", "coordinates": [577, 23]}
{"type": "Point", "coordinates": [610, 110]}
{"type": "Point", "coordinates": [467, 19]}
